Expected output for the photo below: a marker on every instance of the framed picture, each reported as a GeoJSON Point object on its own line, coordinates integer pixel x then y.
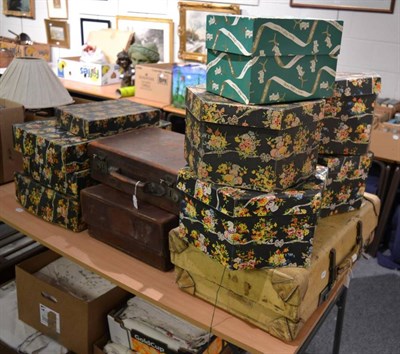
{"type": "Point", "coordinates": [151, 30]}
{"type": "Point", "coordinates": [91, 24]}
{"type": "Point", "coordinates": [192, 27]}
{"type": "Point", "coordinates": [57, 8]}
{"type": "Point", "coordinates": [19, 8]}
{"type": "Point", "coordinates": [57, 33]}
{"type": "Point", "coordinates": [385, 6]}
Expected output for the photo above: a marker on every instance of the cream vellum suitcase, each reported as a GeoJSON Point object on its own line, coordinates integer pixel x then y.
{"type": "Point", "coordinates": [279, 300]}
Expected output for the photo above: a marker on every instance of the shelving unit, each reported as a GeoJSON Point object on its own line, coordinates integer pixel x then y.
{"type": "Point", "coordinates": [147, 282]}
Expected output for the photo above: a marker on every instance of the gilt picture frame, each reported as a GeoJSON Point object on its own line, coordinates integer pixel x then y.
{"type": "Point", "coordinates": [19, 8]}
{"type": "Point", "coordinates": [384, 6]}
{"type": "Point", "coordinates": [57, 33]}
{"type": "Point", "coordinates": [57, 9]}
{"type": "Point", "coordinates": [157, 30]}
{"type": "Point", "coordinates": [192, 27]}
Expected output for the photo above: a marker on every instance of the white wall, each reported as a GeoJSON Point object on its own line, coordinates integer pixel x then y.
{"type": "Point", "coordinates": [371, 41]}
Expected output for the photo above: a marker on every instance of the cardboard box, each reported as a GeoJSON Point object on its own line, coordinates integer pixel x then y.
{"type": "Point", "coordinates": [389, 107]}
{"type": "Point", "coordinates": [142, 340]}
{"type": "Point", "coordinates": [10, 160]}
{"type": "Point", "coordinates": [53, 311]}
{"type": "Point", "coordinates": [271, 60]}
{"type": "Point", "coordinates": [71, 68]}
{"type": "Point", "coordinates": [385, 142]}
{"type": "Point", "coordinates": [38, 50]}
{"type": "Point", "coordinates": [154, 82]}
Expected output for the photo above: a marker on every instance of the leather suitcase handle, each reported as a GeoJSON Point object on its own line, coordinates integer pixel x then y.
{"type": "Point", "coordinates": [114, 172]}
{"type": "Point", "coordinates": [155, 189]}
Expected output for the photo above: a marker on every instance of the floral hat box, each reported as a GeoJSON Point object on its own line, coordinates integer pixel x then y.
{"type": "Point", "coordinates": [264, 148]}
{"type": "Point", "coordinates": [346, 182]}
{"type": "Point", "coordinates": [245, 229]}
{"type": "Point", "coordinates": [349, 114]}
{"type": "Point", "coordinates": [270, 60]}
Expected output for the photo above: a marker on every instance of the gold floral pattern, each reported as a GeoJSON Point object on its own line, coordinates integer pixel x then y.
{"type": "Point", "coordinates": [104, 118]}
{"type": "Point", "coordinates": [349, 115]}
{"type": "Point", "coordinates": [264, 148]}
{"type": "Point", "coordinates": [67, 183]}
{"type": "Point", "coordinates": [48, 204]}
{"type": "Point", "coordinates": [346, 182]}
{"type": "Point", "coordinates": [53, 148]}
{"type": "Point", "coordinates": [242, 228]}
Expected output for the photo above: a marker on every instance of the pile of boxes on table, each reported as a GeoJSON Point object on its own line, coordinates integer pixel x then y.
{"type": "Point", "coordinates": [252, 190]}
{"type": "Point", "coordinates": [56, 164]}
{"type": "Point", "coordinates": [346, 135]}
{"type": "Point", "coordinates": [97, 65]}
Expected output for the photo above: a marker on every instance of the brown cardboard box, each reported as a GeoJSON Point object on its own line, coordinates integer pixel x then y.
{"type": "Point", "coordinates": [385, 142]}
{"type": "Point", "coordinates": [10, 160]}
{"type": "Point", "coordinates": [74, 323]}
{"type": "Point", "coordinates": [389, 109]}
{"type": "Point", "coordinates": [141, 340]}
{"type": "Point", "coordinates": [38, 50]}
{"type": "Point", "coordinates": [154, 82]}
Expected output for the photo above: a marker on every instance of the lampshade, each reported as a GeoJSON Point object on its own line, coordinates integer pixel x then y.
{"type": "Point", "coordinates": [31, 82]}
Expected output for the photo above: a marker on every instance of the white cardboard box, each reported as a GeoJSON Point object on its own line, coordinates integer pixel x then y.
{"type": "Point", "coordinates": [72, 68]}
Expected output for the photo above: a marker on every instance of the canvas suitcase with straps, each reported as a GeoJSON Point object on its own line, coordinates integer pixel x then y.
{"type": "Point", "coordinates": [279, 300]}
{"type": "Point", "coordinates": [143, 163]}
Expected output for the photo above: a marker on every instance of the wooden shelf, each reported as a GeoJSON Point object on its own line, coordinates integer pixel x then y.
{"type": "Point", "coordinates": [104, 92]}
{"type": "Point", "coordinates": [147, 282]}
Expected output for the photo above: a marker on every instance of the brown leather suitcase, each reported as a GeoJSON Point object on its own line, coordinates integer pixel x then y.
{"type": "Point", "coordinates": [141, 233]}
{"type": "Point", "coordinates": [143, 163]}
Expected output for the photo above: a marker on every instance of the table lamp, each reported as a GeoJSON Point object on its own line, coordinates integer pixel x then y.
{"type": "Point", "coordinates": [31, 82]}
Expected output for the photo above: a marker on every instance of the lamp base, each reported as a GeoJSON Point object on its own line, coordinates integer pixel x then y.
{"type": "Point", "coordinates": [39, 114]}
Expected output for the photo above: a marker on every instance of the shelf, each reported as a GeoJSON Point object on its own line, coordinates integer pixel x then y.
{"type": "Point", "coordinates": [140, 279]}
{"type": "Point", "coordinates": [104, 92]}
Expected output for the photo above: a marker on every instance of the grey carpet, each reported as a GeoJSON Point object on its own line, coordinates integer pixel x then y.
{"type": "Point", "coordinates": [371, 322]}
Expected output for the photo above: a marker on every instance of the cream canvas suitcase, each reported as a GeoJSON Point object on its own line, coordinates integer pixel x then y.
{"type": "Point", "coordinates": [279, 300]}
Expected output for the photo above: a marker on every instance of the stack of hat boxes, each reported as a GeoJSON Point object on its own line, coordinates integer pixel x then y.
{"type": "Point", "coordinates": [252, 190]}
{"type": "Point", "coordinates": [56, 164]}
{"type": "Point", "coordinates": [345, 141]}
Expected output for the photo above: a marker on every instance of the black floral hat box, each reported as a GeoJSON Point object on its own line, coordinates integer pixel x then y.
{"type": "Point", "coordinates": [48, 204]}
{"type": "Point", "coordinates": [346, 182]}
{"type": "Point", "coordinates": [104, 118]}
{"type": "Point", "coordinates": [245, 229]}
{"type": "Point", "coordinates": [265, 148]}
{"type": "Point", "coordinates": [349, 114]}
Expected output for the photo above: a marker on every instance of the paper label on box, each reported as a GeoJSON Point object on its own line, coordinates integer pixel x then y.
{"type": "Point", "coordinates": [49, 318]}
{"type": "Point", "coordinates": [143, 344]}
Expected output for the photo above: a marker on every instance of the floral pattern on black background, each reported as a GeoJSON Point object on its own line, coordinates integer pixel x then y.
{"type": "Point", "coordinates": [48, 204]}
{"type": "Point", "coordinates": [251, 147]}
{"type": "Point", "coordinates": [245, 229]}
{"type": "Point", "coordinates": [349, 115]}
{"type": "Point", "coordinates": [95, 119]}
{"type": "Point", "coordinates": [346, 182]}
{"type": "Point", "coordinates": [50, 146]}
